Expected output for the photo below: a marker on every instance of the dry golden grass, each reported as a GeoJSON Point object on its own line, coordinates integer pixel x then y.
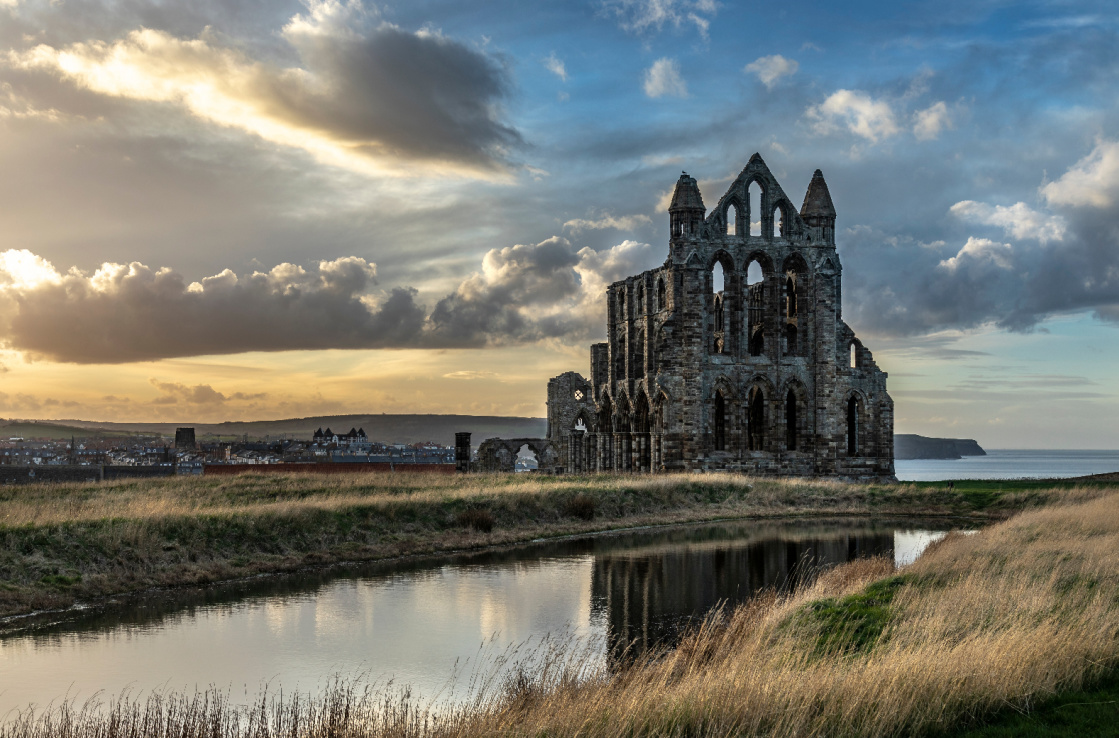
{"type": "Point", "coordinates": [176, 496]}
{"type": "Point", "coordinates": [64, 543]}
{"type": "Point", "coordinates": [1022, 609]}
{"type": "Point", "coordinates": [148, 499]}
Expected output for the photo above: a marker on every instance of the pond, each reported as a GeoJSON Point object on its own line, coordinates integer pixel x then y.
{"type": "Point", "coordinates": [418, 622]}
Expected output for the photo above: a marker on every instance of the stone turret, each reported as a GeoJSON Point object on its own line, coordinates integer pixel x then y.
{"type": "Point", "coordinates": [818, 211]}
{"type": "Point", "coordinates": [686, 210]}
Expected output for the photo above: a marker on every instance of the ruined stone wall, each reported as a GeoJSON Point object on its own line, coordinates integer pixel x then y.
{"type": "Point", "coordinates": [757, 376]}
{"type": "Point", "coordinates": [570, 407]}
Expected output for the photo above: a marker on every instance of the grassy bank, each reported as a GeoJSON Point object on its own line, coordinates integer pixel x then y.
{"type": "Point", "coordinates": [1021, 611]}
{"type": "Point", "coordinates": [1021, 614]}
{"type": "Point", "coordinates": [70, 542]}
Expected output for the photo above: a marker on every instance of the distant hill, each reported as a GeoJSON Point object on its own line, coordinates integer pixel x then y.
{"type": "Point", "coordinates": [400, 429]}
{"type": "Point", "coordinates": [910, 446]}
{"type": "Point", "coordinates": [384, 428]}
{"type": "Point", "coordinates": [30, 429]}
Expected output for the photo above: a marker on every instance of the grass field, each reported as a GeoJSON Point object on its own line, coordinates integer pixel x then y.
{"type": "Point", "coordinates": [1011, 631]}
{"type": "Point", "coordinates": [68, 542]}
{"type": "Point", "coordinates": [1074, 713]}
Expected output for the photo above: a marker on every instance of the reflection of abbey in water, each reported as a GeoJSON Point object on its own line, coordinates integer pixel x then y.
{"type": "Point", "coordinates": [647, 596]}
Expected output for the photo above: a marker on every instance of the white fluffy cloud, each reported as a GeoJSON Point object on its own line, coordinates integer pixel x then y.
{"type": "Point", "coordinates": [856, 111]}
{"type": "Point", "coordinates": [1017, 220]}
{"type": "Point", "coordinates": [536, 292]}
{"type": "Point", "coordinates": [132, 312]}
{"type": "Point", "coordinates": [979, 251]}
{"type": "Point", "coordinates": [928, 123]}
{"type": "Point", "coordinates": [556, 66]}
{"type": "Point", "coordinates": [663, 78]}
{"type": "Point", "coordinates": [769, 69]}
{"type": "Point", "coordinates": [120, 313]}
{"type": "Point", "coordinates": [1091, 182]}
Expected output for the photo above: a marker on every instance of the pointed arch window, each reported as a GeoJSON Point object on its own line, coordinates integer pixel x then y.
{"type": "Point", "coordinates": [791, 420]}
{"type": "Point", "coordinates": [779, 221]}
{"type": "Point", "coordinates": [755, 417]}
{"type": "Point", "coordinates": [639, 354]}
{"type": "Point", "coordinates": [754, 209]}
{"type": "Point", "coordinates": [853, 426]}
{"type": "Point", "coordinates": [791, 346]}
{"type": "Point", "coordinates": [720, 422]}
{"type": "Point", "coordinates": [755, 309]}
{"type": "Point", "coordinates": [718, 307]}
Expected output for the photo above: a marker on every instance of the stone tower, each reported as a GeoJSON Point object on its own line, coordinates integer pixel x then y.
{"type": "Point", "coordinates": [757, 374]}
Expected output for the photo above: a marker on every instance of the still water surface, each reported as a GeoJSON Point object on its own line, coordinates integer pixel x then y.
{"type": "Point", "coordinates": [1010, 464]}
{"type": "Point", "coordinates": [413, 621]}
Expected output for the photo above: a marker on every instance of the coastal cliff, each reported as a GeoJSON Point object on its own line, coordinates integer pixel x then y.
{"type": "Point", "coordinates": [910, 446]}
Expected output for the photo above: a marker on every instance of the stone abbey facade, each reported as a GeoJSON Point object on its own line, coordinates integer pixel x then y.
{"type": "Point", "coordinates": [758, 374]}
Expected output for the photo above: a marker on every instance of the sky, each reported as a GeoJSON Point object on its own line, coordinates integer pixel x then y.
{"type": "Point", "coordinates": [237, 209]}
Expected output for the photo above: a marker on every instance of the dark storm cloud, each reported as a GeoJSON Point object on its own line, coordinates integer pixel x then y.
{"type": "Point", "coordinates": [362, 89]}
{"type": "Point", "coordinates": [414, 94]}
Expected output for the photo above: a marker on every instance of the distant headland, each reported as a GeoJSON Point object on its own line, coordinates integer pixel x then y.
{"type": "Point", "coordinates": [911, 446]}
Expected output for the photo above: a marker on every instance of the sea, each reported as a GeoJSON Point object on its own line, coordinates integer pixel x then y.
{"type": "Point", "coordinates": [1010, 464]}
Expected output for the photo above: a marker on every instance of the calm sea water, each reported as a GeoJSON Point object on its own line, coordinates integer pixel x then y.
{"type": "Point", "coordinates": [417, 622]}
{"type": "Point", "coordinates": [1010, 464]}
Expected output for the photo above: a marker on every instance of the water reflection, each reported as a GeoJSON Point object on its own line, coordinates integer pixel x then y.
{"type": "Point", "coordinates": [414, 620]}
{"type": "Point", "coordinates": [649, 595]}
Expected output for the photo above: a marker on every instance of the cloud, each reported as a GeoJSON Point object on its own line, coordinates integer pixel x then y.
{"type": "Point", "coordinates": [858, 112]}
{"type": "Point", "coordinates": [471, 374]}
{"type": "Point", "coordinates": [132, 312]}
{"type": "Point", "coordinates": [621, 223]}
{"type": "Point", "coordinates": [555, 65]}
{"type": "Point", "coordinates": [663, 78]}
{"type": "Point", "coordinates": [550, 290]}
{"type": "Point", "coordinates": [928, 123]}
{"type": "Point", "coordinates": [1091, 182]}
{"type": "Point", "coordinates": [19, 401]}
{"type": "Point", "coordinates": [368, 95]}
{"type": "Point", "coordinates": [199, 394]}
{"type": "Point", "coordinates": [644, 16]}
{"type": "Point", "coordinates": [1018, 220]}
{"type": "Point", "coordinates": [978, 250]}
{"type": "Point", "coordinates": [1063, 260]}
{"type": "Point", "coordinates": [769, 69]}
{"type": "Point", "coordinates": [21, 269]}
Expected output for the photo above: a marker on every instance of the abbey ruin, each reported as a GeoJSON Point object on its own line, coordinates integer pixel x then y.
{"type": "Point", "coordinates": [732, 355]}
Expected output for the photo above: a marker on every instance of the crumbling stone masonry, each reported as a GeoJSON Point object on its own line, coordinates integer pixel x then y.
{"type": "Point", "coordinates": [759, 375]}
{"type": "Point", "coordinates": [500, 454]}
